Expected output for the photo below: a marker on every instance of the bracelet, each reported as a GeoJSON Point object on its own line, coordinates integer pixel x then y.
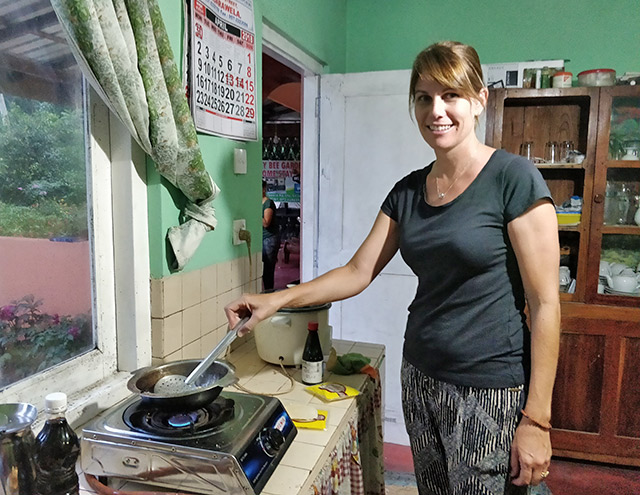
{"type": "Point", "coordinates": [542, 426]}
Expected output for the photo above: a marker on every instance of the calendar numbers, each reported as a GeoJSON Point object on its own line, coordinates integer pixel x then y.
{"type": "Point", "coordinates": [222, 72]}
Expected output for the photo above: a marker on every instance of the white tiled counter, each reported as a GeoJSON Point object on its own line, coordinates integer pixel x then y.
{"type": "Point", "coordinates": [310, 457]}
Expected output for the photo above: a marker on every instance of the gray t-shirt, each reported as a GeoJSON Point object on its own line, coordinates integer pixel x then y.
{"type": "Point", "coordinates": [466, 323]}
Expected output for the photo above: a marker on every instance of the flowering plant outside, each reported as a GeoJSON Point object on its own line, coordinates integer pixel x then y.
{"type": "Point", "coordinates": [31, 341]}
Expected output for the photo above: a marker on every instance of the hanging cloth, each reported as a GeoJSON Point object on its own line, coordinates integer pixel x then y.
{"type": "Point", "coordinates": [123, 50]}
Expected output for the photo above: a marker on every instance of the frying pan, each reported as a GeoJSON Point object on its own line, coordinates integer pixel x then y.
{"type": "Point", "coordinates": [220, 374]}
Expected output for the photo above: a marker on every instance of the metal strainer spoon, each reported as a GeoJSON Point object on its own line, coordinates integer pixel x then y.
{"type": "Point", "coordinates": [175, 384]}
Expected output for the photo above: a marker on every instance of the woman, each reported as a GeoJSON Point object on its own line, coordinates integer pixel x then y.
{"type": "Point", "coordinates": [270, 239]}
{"type": "Point", "coordinates": [478, 227]}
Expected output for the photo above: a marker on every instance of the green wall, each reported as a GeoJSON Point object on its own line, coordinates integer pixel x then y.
{"type": "Point", "coordinates": [372, 35]}
{"type": "Point", "coordinates": [319, 27]}
{"type": "Point", "coordinates": [592, 34]}
{"type": "Point", "coordinates": [312, 26]}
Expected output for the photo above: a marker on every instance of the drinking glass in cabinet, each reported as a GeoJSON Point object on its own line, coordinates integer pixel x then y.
{"type": "Point", "coordinates": [611, 204]}
{"type": "Point", "coordinates": [526, 150]}
{"type": "Point", "coordinates": [620, 203]}
{"type": "Point", "coordinates": [551, 152]}
{"type": "Point", "coordinates": [564, 151]}
{"type": "Point", "coordinates": [624, 136]}
{"type": "Point", "coordinates": [624, 203]}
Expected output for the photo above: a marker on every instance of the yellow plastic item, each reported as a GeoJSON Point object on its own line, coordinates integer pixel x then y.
{"type": "Point", "coordinates": [331, 391]}
{"type": "Point", "coordinates": [317, 423]}
{"type": "Point", "coordinates": [569, 218]}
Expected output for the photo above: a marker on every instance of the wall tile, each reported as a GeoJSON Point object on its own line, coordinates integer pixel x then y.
{"type": "Point", "coordinates": [246, 270]}
{"type": "Point", "coordinates": [191, 324]}
{"type": "Point", "coordinates": [191, 289]}
{"type": "Point", "coordinates": [157, 337]}
{"type": "Point", "coordinates": [172, 334]}
{"type": "Point", "coordinates": [224, 277]}
{"type": "Point", "coordinates": [193, 350]}
{"type": "Point", "coordinates": [172, 294]}
{"type": "Point", "coordinates": [188, 308]}
{"type": "Point", "coordinates": [247, 287]}
{"type": "Point", "coordinates": [258, 264]}
{"type": "Point", "coordinates": [209, 341]}
{"type": "Point", "coordinates": [156, 298]}
{"type": "Point", "coordinates": [209, 315]}
{"type": "Point", "coordinates": [174, 356]}
{"type": "Point", "coordinates": [236, 273]}
{"type": "Point", "coordinates": [223, 300]}
{"type": "Point", "coordinates": [209, 282]}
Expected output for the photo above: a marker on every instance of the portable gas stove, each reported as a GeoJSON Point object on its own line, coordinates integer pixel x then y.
{"type": "Point", "coordinates": [231, 446]}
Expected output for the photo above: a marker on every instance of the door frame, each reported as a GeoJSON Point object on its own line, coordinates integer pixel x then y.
{"type": "Point", "coordinates": [284, 51]}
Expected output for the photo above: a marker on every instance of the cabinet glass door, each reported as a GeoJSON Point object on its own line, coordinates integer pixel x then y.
{"type": "Point", "coordinates": [618, 182]}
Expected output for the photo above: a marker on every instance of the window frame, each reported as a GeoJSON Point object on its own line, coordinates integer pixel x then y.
{"type": "Point", "coordinates": [117, 205]}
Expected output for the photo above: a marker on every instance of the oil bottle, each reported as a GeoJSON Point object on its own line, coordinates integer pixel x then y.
{"type": "Point", "coordinates": [57, 450]}
{"type": "Point", "coordinates": [312, 358]}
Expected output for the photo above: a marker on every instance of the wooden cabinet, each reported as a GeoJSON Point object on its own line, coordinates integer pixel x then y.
{"type": "Point", "coordinates": [596, 403]}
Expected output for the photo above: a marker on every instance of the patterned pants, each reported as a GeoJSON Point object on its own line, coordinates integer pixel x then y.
{"type": "Point", "coordinates": [460, 436]}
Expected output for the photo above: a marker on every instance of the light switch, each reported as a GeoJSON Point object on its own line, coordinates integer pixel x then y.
{"type": "Point", "coordinates": [240, 161]}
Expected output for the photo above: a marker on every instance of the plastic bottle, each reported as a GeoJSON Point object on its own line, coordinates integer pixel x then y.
{"type": "Point", "coordinates": [57, 450]}
{"type": "Point", "coordinates": [312, 358]}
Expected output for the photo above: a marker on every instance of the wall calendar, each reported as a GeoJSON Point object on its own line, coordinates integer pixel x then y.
{"type": "Point", "coordinates": [222, 67]}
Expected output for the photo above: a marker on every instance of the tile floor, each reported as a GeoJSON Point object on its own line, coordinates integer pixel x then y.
{"type": "Point", "coordinates": [568, 477]}
{"type": "Point", "coordinates": [399, 483]}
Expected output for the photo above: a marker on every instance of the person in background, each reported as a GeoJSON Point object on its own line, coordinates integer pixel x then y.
{"type": "Point", "coordinates": [478, 228]}
{"type": "Point", "coordinates": [270, 239]}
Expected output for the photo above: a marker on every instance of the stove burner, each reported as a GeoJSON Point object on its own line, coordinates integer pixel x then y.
{"type": "Point", "coordinates": [181, 420]}
{"type": "Point", "coordinates": [147, 419]}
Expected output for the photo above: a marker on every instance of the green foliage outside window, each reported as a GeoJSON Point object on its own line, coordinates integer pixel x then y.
{"type": "Point", "coordinates": [32, 341]}
{"type": "Point", "coordinates": [42, 170]}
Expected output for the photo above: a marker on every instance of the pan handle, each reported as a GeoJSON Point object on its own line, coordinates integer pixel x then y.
{"type": "Point", "coordinates": [217, 350]}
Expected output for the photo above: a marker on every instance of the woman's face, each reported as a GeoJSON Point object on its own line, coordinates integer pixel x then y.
{"type": "Point", "coordinates": [445, 118]}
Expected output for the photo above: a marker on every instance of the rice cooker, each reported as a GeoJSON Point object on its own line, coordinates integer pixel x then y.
{"type": "Point", "coordinates": [281, 337]}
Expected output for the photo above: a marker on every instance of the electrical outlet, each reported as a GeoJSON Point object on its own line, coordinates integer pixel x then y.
{"type": "Point", "coordinates": [238, 225]}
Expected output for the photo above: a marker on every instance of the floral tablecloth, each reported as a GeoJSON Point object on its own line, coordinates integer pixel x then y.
{"type": "Point", "coordinates": [355, 466]}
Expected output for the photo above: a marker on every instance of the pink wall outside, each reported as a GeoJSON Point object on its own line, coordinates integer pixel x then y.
{"type": "Point", "coordinates": [56, 272]}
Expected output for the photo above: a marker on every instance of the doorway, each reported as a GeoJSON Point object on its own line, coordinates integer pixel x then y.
{"type": "Point", "coordinates": [281, 158]}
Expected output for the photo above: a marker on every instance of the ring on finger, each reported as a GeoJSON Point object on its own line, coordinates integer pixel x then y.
{"type": "Point", "coordinates": [544, 474]}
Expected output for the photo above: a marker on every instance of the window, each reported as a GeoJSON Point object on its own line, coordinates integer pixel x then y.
{"type": "Point", "coordinates": [74, 302]}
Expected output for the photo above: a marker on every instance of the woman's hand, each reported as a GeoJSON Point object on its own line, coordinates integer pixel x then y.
{"type": "Point", "coordinates": [258, 306]}
{"type": "Point", "coordinates": [530, 454]}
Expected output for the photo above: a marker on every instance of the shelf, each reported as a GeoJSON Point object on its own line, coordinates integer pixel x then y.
{"type": "Point", "coordinates": [570, 228]}
{"type": "Point", "coordinates": [598, 373]}
{"type": "Point", "coordinates": [621, 229]}
{"type": "Point", "coordinates": [560, 165]}
{"type": "Point", "coordinates": [566, 296]}
{"type": "Point", "coordinates": [547, 96]}
{"type": "Point", "coordinates": [622, 164]}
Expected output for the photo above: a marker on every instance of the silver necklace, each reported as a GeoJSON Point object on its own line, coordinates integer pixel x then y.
{"type": "Point", "coordinates": [441, 195]}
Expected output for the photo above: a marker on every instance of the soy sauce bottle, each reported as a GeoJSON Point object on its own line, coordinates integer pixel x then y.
{"type": "Point", "coordinates": [57, 450]}
{"type": "Point", "coordinates": [312, 359]}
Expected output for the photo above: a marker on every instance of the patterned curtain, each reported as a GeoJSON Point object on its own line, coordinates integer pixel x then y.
{"type": "Point", "coordinates": [123, 49]}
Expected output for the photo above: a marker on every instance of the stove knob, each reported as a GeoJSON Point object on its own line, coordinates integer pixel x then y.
{"type": "Point", "coordinates": [271, 439]}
